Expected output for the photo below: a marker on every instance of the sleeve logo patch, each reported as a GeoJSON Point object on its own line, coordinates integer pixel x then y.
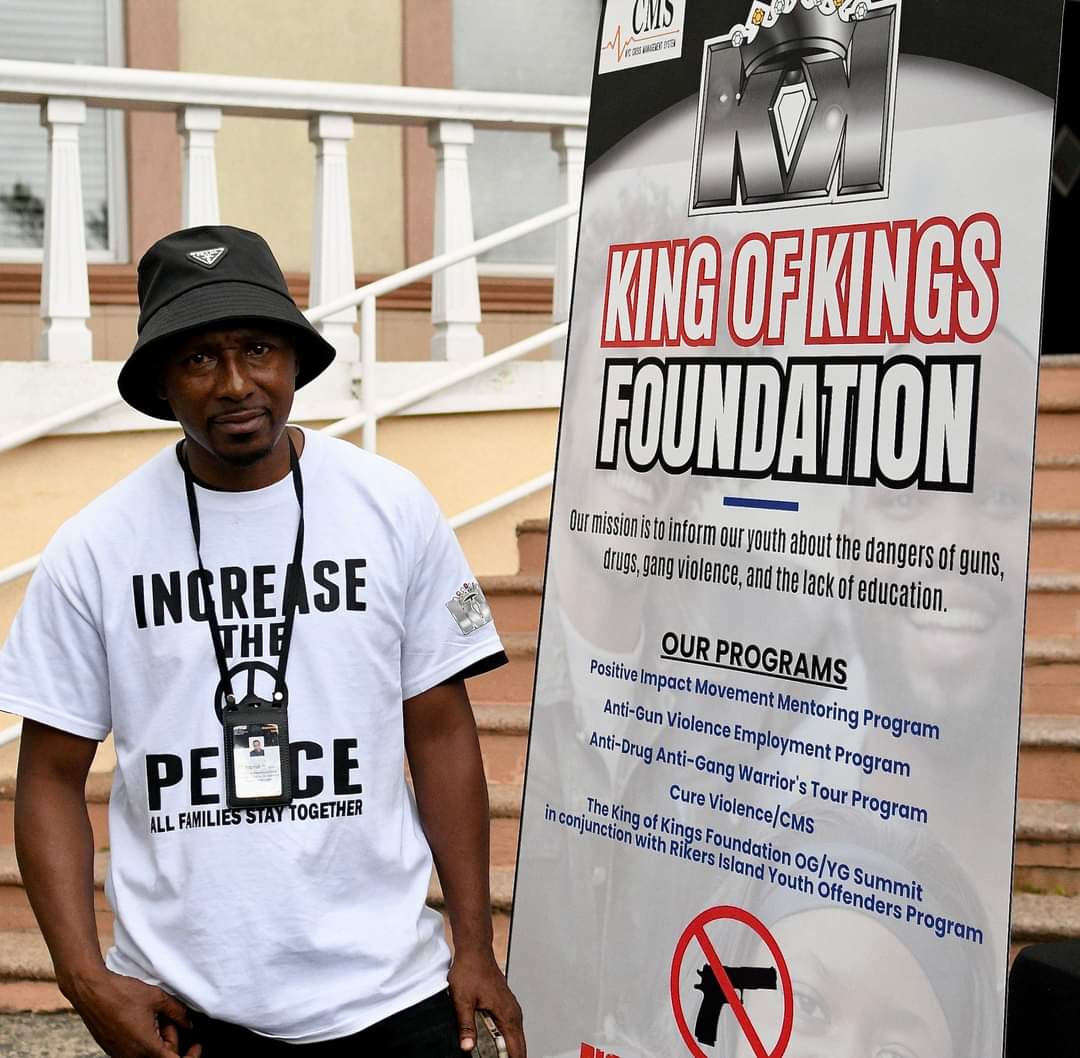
{"type": "Point", "coordinates": [469, 608]}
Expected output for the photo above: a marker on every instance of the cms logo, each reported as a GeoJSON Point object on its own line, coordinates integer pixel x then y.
{"type": "Point", "coordinates": [653, 14]}
{"type": "Point", "coordinates": [796, 106]}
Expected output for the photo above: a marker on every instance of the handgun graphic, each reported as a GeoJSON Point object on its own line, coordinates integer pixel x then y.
{"type": "Point", "coordinates": [742, 978]}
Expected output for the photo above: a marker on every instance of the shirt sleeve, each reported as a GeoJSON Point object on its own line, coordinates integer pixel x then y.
{"type": "Point", "coordinates": [53, 666]}
{"type": "Point", "coordinates": [449, 632]}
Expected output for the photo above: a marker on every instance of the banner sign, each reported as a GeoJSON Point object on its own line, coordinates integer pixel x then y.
{"type": "Point", "coordinates": [770, 791]}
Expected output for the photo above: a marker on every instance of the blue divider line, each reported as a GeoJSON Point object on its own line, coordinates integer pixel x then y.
{"type": "Point", "coordinates": [761, 505]}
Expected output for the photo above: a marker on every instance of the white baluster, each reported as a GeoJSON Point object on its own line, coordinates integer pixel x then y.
{"type": "Point", "coordinates": [199, 127]}
{"type": "Point", "coordinates": [65, 288]}
{"type": "Point", "coordinates": [569, 145]}
{"type": "Point", "coordinates": [455, 291]}
{"type": "Point", "coordinates": [368, 395]}
{"type": "Point", "coordinates": [333, 274]}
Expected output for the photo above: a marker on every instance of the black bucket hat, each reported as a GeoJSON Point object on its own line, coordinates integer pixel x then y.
{"type": "Point", "coordinates": [201, 276]}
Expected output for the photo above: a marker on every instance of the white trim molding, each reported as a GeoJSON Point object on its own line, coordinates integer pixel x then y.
{"type": "Point", "coordinates": [101, 86]}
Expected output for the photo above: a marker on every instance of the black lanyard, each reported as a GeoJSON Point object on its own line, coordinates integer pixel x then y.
{"type": "Point", "coordinates": [292, 579]}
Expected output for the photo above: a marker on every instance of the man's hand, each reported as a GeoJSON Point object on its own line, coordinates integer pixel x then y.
{"type": "Point", "coordinates": [476, 982]}
{"type": "Point", "coordinates": [131, 1019]}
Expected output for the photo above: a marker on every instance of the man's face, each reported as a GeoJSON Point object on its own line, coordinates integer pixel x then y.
{"type": "Point", "coordinates": [859, 993]}
{"type": "Point", "coordinates": [231, 388]}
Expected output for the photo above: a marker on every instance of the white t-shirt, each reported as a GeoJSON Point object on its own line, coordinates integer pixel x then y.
{"type": "Point", "coordinates": [306, 922]}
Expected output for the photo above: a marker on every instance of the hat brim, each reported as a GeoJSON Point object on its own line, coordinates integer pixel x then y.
{"type": "Point", "coordinates": [139, 380]}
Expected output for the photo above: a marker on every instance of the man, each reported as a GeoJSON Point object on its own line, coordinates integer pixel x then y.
{"type": "Point", "coordinates": [259, 580]}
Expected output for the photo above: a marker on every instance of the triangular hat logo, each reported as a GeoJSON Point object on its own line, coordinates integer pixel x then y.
{"type": "Point", "coordinates": [210, 257]}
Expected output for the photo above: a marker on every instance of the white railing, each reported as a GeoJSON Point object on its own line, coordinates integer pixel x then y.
{"type": "Point", "coordinates": [371, 411]}
{"type": "Point", "coordinates": [19, 569]}
{"type": "Point", "coordinates": [199, 101]}
{"type": "Point", "coordinates": [63, 92]}
{"type": "Point", "coordinates": [17, 438]}
{"type": "Point", "coordinates": [331, 110]}
{"type": "Point", "coordinates": [366, 296]}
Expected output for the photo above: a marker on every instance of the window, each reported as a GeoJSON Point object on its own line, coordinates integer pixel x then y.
{"type": "Point", "coordinates": [87, 32]}
{"type": "Point", "coordinates": [521, 46]}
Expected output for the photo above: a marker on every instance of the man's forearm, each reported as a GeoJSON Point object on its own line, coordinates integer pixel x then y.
{"type": "Point", "coordinates": [451, 796]}
{"type": "Point", "coordinates": [55, 847]}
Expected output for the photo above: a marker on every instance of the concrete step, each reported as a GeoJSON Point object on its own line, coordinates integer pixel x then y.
{"type": "Point", "coordinates": [1055, 541]}
{"type": "Point", "coordinates": [1057, 485]}
{"type": "Point", "coordinates": [1038, 917]}
{"type": "Point", "coordinates": [515, 601]}
{"type": "Point", "coordinates": [532, 538]}
{"type": "Point", "coordinates": [1058, 431]}
{"type": "Point", "coordinates": [1059, 384]}
{"type": "Point", "coordinates": [1052, 675]}
{"type": "Point", "coordinates": [511, 684]}
{"type": "Point", "coordinates": [1050, 758]}
{"type": "Point", "coordinates": [504, 731]}
{"type": "Point", "coordinates": [1047, 847]}
{"type": "Point", "coordinates": [1053, 604]}
{"type": "Point", "coordinates": [44, 1035]}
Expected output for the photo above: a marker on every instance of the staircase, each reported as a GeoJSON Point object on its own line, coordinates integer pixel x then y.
{"type": "Point", "coordinates": [1046, 902]}
{"type": "Point", "coordinates": [1047, 879]}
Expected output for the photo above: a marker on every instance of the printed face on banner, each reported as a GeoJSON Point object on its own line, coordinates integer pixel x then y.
{"type": "Point", "coordinates": [783, 621]}
{"type": "Point", "coordinates": [840, 1001]}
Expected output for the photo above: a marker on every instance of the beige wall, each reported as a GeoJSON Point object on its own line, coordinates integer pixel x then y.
{"type": "Point", "coordinates": [266, 168]}
{"type": "Point", "coordinates": [467, 459]}
{"type": "Point", "coordinates": [463, 459]}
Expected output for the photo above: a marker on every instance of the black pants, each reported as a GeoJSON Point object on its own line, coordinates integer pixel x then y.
{"type": "Point", "coordinates": [426, 1030]}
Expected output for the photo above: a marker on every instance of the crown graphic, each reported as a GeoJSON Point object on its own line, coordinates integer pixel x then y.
{"type": "Point", "coordinates": [776, 31]}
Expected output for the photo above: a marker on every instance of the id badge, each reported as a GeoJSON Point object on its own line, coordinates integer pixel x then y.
{"type": "Point", "coordinates": [257, 756]}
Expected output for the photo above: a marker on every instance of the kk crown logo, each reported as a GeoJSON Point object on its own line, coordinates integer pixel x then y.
{"type": "Point", "coordinates": [469, 608]}
{"type": "Point", "coordinates": [796, 106]}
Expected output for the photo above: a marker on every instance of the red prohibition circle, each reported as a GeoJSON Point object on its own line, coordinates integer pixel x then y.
{"type": "Point", "coordinates": [696, 932]}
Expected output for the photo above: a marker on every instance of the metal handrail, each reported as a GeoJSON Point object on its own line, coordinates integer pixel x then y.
{"type": "Point", "coordinates": [504, 499]}
{"type": "Point", "coordinates": [19, 569]}
{"type": "Point", "coordinates": [26, 434]}
{"type": "Point", "coordinates": [429, 389]}
{"type": "Point", "coordinates": [390, 283]}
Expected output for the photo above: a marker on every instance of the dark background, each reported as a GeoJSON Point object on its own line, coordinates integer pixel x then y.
{"type": "Point", "coordinates": [1063, 243]}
